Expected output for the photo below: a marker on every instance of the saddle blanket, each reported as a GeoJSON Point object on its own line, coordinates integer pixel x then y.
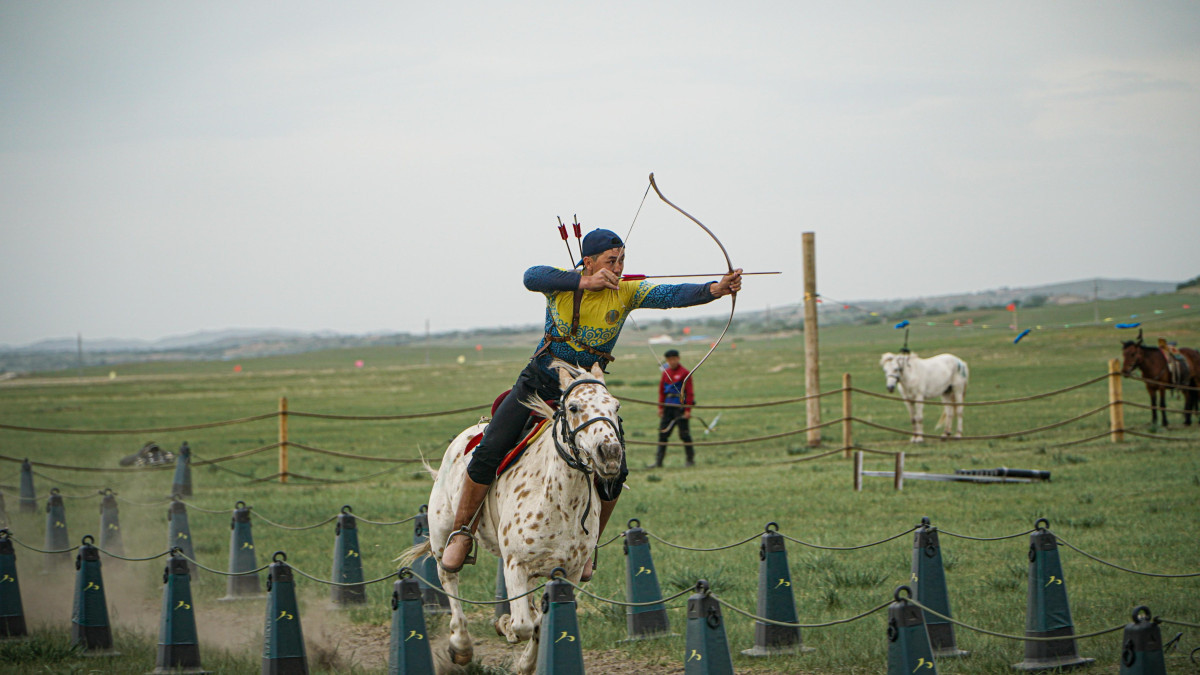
{"type": "Point", "coordinates": [518, 450]}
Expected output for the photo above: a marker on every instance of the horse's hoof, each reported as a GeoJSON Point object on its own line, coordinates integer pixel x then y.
{"type": "Point", "coordinates": [498, 621]}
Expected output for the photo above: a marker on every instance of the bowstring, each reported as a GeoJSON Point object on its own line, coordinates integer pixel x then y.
{"type": "Point", "coordinates": [662, 366]}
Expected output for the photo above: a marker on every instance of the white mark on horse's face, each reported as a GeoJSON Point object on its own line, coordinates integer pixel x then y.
{"type": "Point", "coordinates": [599, 443]}
{"type": "Point", "coordinates": [893, 366]}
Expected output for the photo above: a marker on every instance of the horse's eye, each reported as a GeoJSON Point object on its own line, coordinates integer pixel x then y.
{"type": "Point", "coordinates": [573, 408]}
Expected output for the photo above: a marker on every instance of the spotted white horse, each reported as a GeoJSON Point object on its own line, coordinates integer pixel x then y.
{"type": "Point", "coordinates": [540, 514]}
{"type": "Point", "coordinates": [917, 379]}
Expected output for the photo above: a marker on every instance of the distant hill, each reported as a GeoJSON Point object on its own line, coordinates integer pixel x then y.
{"type": "Point", "coordinates": [62, 353]}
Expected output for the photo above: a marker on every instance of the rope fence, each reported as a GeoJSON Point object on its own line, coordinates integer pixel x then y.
{"type": "Point", "coordinates": [1115, 406]}
{"type": "Point", "coordinates": [700, 587]}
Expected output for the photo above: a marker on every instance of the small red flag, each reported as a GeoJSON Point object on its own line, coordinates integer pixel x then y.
{"type": "Point", "coordinates": [1012, 307]}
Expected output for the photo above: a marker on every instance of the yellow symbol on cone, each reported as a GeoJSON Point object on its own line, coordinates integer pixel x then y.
{"type": "Point", "coordinates": [414, 634]}
{"type": "Point", "coordinates": [642, 570]}
{"type": "Point", "coordinates": [113, 526]}
{"type": "Point", "coordinates": [565, 636]}
{"type": "Point", "coordinates": [695, 655]}
{"type": "Point", "coordinates": [91, 586]}
{"type": "Point", "coordinates": [914, 576]}
{"type": "Point", "coordinates": [246, 544]}
{"type": "Point", "coordinates": [283, 614]}
{"type": "Point", "coordinates": [182, 605]}
{"type": "Point", "coordinates": [922, 663]}
{"type": "Point", "coordinates": [181, 535]}
{"type": "Point", "coordinates": [1054, 580]}
{"type": "Point", "coordinates": [783, 582]}
{"type": "Point", "coordinates": [60, 524]}
{"type": "Point", "coordinates": [352, 554]}
{"type": "Point", "coordinates": [8, 579]}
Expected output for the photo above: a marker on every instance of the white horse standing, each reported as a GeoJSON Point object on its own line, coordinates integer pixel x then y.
{"type": "Point", "coordinates": [540, 514]}
{"type": "Point", "coordinates": [943, 375]}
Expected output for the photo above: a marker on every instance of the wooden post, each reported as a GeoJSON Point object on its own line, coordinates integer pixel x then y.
{"type": "Point", "coordinates": [812, 368]}
{"type": "Point", "coordinates": [898, 480]}
{"type": "Point", "coordinates": [1116, 411]}
{"type": "Point", "coordinates": [847, 437]}
{"type": "Point", "coordinates": [858, 458]}
{"type": "Point", "coordinates": [283, 438]}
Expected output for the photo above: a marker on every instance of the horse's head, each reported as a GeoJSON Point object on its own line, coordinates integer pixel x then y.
{"type": "Point", "coordinates": [1132, 357]}
{"type": "Point", "coordinates": [893, 367]}
{"type": "Point", "coordinates": [591, 427]}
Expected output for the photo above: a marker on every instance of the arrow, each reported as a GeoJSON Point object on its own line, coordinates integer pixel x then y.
{"type": "Point", "coordinates": [639, 277]}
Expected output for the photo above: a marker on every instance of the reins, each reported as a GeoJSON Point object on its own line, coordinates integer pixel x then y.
{"type": "Point", "coordinates": [565, 440]}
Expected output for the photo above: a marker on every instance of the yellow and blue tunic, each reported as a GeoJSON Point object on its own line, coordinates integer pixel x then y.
{"type": "Point", "coordinates": [602, 313]}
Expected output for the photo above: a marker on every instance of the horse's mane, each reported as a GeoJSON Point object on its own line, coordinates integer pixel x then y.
{"type": "Point", "coordinates": [535, 402]}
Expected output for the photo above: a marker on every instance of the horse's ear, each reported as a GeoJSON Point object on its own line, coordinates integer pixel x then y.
{"type": "Point", "coordinates": [597, 372]}
{"type": "Point", "coordinates": [566, 372]}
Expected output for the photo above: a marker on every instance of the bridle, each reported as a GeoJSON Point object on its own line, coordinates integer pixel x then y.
{"type": "Point", "coordinates": [564, 436]}
{"type": "Point", "coordinates": [566, 446]}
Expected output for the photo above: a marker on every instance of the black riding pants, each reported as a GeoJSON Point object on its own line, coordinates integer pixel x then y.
{"type": "Point", "coordinates": [672, 418]}
{"type": "Point", "coordinates": [503, 432]}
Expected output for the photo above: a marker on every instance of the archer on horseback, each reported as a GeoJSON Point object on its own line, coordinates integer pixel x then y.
{"type": "Point", "coordinates": [585, 311]}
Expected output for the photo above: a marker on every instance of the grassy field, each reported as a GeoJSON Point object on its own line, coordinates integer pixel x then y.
{"type": "Point", "coordinates": [1136, 503]}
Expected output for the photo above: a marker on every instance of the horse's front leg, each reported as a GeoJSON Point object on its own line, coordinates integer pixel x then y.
{"type": "Point", "coordinates": [461, 647]}
{"type": "Point", "coordinates": [1162, 404]}
{"type": "Point", "coordinates": [523, 621]}
{"type": "Point", "coordinates": [917, 410]}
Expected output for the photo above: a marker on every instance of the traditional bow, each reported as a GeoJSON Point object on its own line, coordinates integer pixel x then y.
{"type": "Point", "coordinates": [728, 263]}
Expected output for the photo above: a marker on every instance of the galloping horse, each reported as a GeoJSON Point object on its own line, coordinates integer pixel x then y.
{"type": "Point", "coordinates": [945, 375]}
{"type": "Point", "coordinates": [541, 513]}
{"type": "Point", "coordinates": [1153, 364]}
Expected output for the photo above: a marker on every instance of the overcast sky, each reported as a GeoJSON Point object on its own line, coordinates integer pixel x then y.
{"type": "Point", "coordinates": [173, 167]}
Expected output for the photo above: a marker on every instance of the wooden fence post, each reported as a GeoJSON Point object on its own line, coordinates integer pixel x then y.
{"type": "Point", "coordinates": [283, 440]}
{"type": "Point", "coordinates": [898, 480]}
{"type": "Point", "coordinates": [858, 459]}
{"type": "Point", "coordinates": [812, 359]}
{"type": "Point", "coordinates": [1116, 411]}
{"type": "Point", "coordinates": [847, 437]}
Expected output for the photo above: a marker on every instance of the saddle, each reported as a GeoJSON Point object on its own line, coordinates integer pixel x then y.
{"type": "Point", "coordinates": [1177, 365]}
{"type": "Point", "coordinates": [534, 426]}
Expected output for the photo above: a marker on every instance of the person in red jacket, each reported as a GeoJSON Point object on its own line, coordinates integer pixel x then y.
{"type": "Point", "coordinates": [673, 408]}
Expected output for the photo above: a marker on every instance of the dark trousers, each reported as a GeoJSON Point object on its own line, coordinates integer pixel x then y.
{"type": "Point", "coordinates": [504, 431]}
{"type": "Point", "coordinates": [672, 418]}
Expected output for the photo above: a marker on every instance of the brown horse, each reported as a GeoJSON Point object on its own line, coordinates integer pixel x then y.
{"type": "Point", "coordinates": [1153, 364]}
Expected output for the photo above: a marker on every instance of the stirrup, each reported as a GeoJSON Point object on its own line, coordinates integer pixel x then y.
{"type": "Point", "coordinates": [470, 559]}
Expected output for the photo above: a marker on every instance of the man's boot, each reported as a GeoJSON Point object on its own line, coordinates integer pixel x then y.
{"type": "Point", "coordinates": [461, 542]}
{"type": "Point", "coordinates": [606, 509]}
{"type": "Point", "coordinates": [659, 456]}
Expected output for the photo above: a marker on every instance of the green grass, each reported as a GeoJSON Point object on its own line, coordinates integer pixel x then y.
{"type": "Point", "coordinates": [1136, 503]}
